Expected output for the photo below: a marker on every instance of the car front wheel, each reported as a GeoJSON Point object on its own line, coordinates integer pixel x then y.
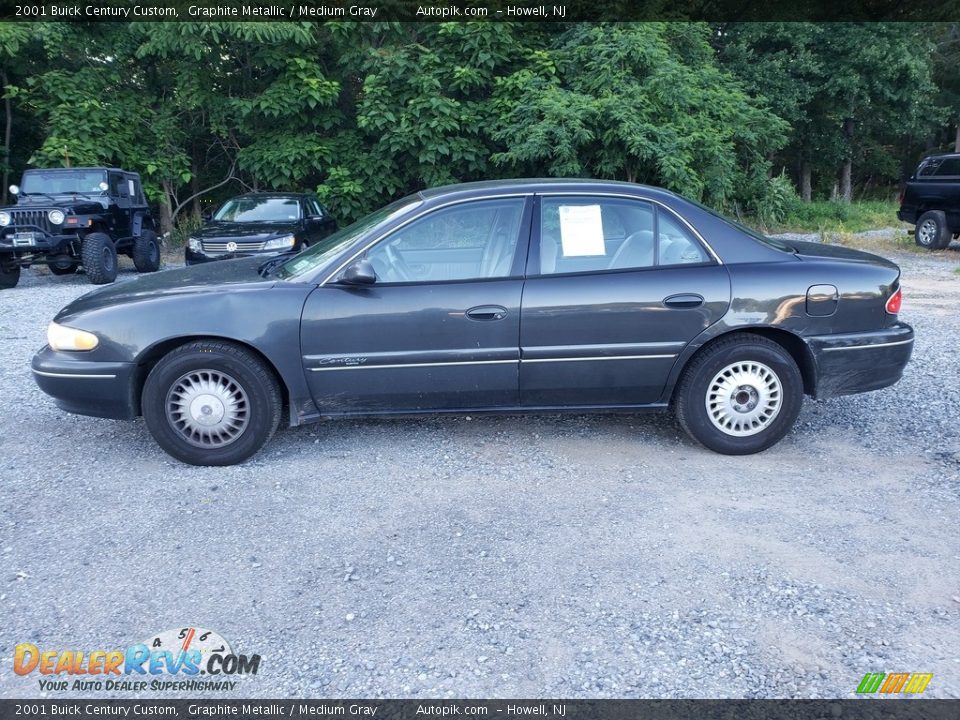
{"type": "Point", "coordinates": [99, 258]}
{"type": "Point", "coordinates": [9, 274]}
{"type": "Point", "coordinates": [211, 403]}
{"type": "Point", "coordinates": [740, 395]}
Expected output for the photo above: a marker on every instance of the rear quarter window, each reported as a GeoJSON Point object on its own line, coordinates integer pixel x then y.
{"type": "Point", "coordinates": [940, 167]}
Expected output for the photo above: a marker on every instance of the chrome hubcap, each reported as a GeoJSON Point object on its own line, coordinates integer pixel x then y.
{"type": "Point", "coordinates": [208, 408]}
{"type": "Point", "coordinates": [926, 232]}
{"type": "Point", "coordinates": [744, 398]}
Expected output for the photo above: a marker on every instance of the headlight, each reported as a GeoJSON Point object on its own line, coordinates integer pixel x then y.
{"type": "Point", "coordinates": [4, 219]}
{"type": "Point", "coordinates": [61, 337]}
{"type": "Point", "coordinates": [195, 244]}
{"type": "Point", "coordinates": [280, 243]}
{"type": "Point", "coordinates": [56, 217]}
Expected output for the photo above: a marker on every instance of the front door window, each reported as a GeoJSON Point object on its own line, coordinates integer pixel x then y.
{"type": "Point", "coordinates": [468, 241]}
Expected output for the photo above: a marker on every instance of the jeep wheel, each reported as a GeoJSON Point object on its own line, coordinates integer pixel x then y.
{"type": "Point", "coordinates": [99, 258]}
{"type": "Point", "coordinates": [740, 395]}
{"type": "Point", "coordinates": [146, 252]}
{"type": "Point", "coordinates": [63, 267]}
{"type": "Point", "coordinates": [932, 232]}
{"type": "Point", "coordinates": [9, 274]}
{"type": "Point", "coordinates": [211, 403]}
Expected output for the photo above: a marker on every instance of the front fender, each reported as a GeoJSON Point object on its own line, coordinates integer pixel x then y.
{"type": "Point", "coordinates": [265, 318]}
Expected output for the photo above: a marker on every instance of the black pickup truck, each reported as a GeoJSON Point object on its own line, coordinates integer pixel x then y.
{"type": "Point", "coordinates": [931, 201]}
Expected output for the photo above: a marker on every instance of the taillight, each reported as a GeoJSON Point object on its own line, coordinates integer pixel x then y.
{"type": "Point", "coordinates": [895, 301]}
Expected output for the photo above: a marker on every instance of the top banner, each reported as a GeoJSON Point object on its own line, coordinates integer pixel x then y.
{"type": "Point", "coordinates": [480, 10]}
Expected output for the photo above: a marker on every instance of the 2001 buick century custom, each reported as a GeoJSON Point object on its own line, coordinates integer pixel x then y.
{"type": "Point", "coordinates": [531, 295]}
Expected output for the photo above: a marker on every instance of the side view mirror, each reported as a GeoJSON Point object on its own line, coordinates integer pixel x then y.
{"type": "Point", "coordinates": [14, 189]}
{"type": "Point", "coordinates": [360, 272]}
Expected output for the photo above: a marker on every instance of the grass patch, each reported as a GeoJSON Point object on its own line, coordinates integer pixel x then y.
{"type": "Point", "coordinates": [835, 217]}
{"type": "Point", "coordinates": [895, 241]}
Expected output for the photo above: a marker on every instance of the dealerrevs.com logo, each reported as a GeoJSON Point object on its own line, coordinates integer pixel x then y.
{"type": "Point", "coordinates": [894, 683]}
{"type": "Point", "coordinates": [186, 659]}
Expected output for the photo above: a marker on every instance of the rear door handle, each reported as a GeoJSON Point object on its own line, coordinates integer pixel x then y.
{"type": "Point", "coordinates": [487, 312]}
{"type": "Point", "coordinates": [684, 300]}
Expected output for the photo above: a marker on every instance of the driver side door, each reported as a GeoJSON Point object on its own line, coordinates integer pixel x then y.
{"type": "Point", "coordinates": [440, 327]}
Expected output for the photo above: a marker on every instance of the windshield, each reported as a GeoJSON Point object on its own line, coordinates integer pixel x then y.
{"type": "Point", "coordinates": [56, 182]}
{"type": "Point", "coordinates": [259, 209]}
{"type": "Point", "coordinates": [769, 241]}
{"type": "Point", "coordinates": [316, 255]}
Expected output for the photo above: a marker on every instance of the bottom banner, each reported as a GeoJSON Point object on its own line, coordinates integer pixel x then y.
{"type": "Point", "coordinates": [863, 709]}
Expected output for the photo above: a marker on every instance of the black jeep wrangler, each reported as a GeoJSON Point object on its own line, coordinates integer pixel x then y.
{"type": "Point", "coordinates": [68, 217]}
{"type": "Point", "coordinates": [931, 201]}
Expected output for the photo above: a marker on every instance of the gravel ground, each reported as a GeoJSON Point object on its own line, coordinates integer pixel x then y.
{"type": "Point", "coordinates": [551, 556]}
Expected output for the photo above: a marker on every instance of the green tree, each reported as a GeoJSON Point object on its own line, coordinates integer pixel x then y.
{"type": "Point", "coordinates": [854, 93]}
{"type": "Point", "coordinates": [21, 55]}
{"type": "Point", "coordinates": [420, 95]}
{"type": "Point", "coordinates": [946, 59]}
{"type": "Point", "coordinates": [639, 102]}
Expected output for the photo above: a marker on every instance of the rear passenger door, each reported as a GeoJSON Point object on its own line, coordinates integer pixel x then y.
{"type": "Point", "coordinates": [616, 287]}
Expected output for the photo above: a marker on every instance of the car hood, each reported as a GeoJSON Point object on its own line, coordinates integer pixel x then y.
{"type": "Point", "coordinates": [247, 231]}
{"type": "Point", "coordinates": [837, 252]}
{"type": "Point", "coordinates": [233, 275]}
{"type": "Point", "coordinates": [80, 206]}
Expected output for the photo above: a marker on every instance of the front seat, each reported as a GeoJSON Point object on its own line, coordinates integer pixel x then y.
{"type": "Point", "coordinates": [498, 253]}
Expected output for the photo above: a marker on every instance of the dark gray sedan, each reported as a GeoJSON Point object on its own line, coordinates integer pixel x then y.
{"type": "Point", "coordinates": [510, 296]}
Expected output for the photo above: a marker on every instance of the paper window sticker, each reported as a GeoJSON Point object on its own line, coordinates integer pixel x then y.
{"type": "Point", "coordinates": [581, 230]}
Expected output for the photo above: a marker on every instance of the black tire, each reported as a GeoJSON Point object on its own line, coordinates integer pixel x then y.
{"type": "Point", "coordinates": [146, 252]}
{"type": "Point", "coordinates": [99, 257]}
{"type": "Point", "coordinates": [63, 268]}
{"type": "Point", "coordinates": [9, 275]}
{"type": "Point", "coordinates": [701, 380]}
{"type": "Point", "coordinates": [248, 383]}
{"type": "Point", "coordinates": [931, 231]}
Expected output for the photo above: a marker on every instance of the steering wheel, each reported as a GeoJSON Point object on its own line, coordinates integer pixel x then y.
{"type": "Point", "coordinates": [398, 265]}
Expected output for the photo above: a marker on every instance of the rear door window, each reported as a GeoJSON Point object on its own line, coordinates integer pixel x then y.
{"type": "Point", "coordinates": [590, 234]}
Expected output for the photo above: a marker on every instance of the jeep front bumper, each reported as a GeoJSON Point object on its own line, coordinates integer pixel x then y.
{"type": "Point", "coordinates": [32, 240]}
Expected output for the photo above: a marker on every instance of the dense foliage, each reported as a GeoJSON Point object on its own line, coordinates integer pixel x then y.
{"type": "Point", "coordinates": [736, 115]}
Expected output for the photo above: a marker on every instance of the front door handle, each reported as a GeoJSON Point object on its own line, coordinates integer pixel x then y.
{"type": "Point", "coordinates": [684, 300]}
{"type": "Point", "coordinates": [487, 312]}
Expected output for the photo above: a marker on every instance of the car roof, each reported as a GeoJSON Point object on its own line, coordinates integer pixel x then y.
{"type": "Point", "coordinates": [542, 185]}
{"type": "Point", "coordinates": [941, 155]}
{"type": "Point", "coordinates": [78, 169]}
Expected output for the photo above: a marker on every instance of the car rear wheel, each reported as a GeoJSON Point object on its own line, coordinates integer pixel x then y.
{"type": "Point", "coordinates": [63, 267]}
{"type": "Point", "coordinates": [9, 274]}
{"type": "Point", "coordinates": [99, 258]}
{"type": "Point", "coordinates": [740, 395]}
{"type": "Point", "coordinates": [211, 403]}
{"type": "Point", "coordinates": [146, 252]}
{"type": "Point", "coordinates": [932, 231]}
